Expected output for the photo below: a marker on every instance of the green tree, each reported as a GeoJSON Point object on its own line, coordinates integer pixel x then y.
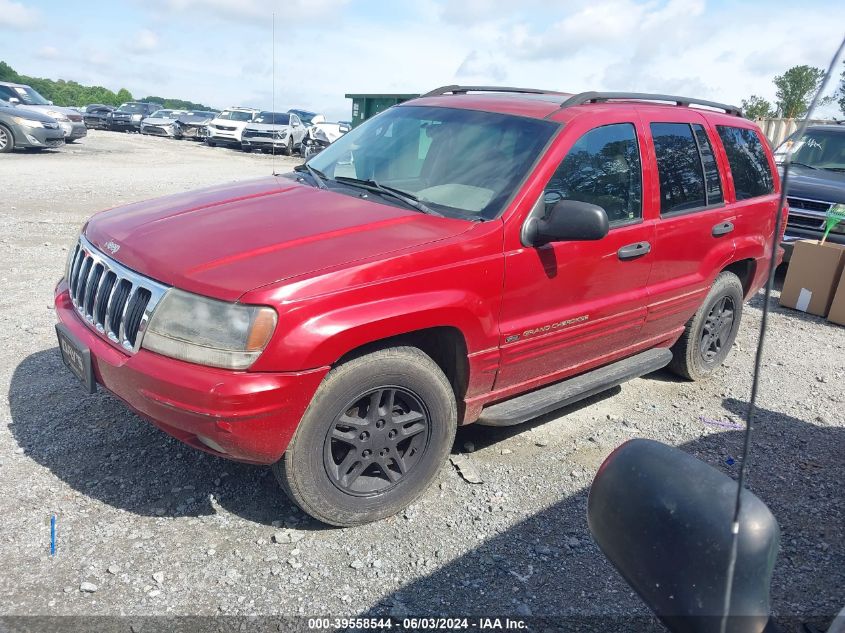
{"type": "Point", "coordinates": [841, 90]}
{"type": "Point", "coordinates": [795, 90]}
{"type": "Point", "coordinates": [757, 108]}
{"type": "Point", "coordinates": [123, 95]}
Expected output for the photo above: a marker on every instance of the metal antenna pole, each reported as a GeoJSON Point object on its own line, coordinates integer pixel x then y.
{"type": "Point", "coordinates": [272, 138]}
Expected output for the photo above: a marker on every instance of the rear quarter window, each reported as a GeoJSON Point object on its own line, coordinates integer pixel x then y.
{"type": "Point", "coordinates": [749, 164]}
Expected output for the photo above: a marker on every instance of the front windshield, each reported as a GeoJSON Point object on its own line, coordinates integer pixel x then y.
{"type": "Point", "coordinates": [273, 118]}
{"type": "Point", "coordinates": [821, 149]}
{"type": "Point", "coordinates": [235, 115]}
{"type": "Point", "coordinates": [164, 114]}
{"type": "Point", "coordinates": [462, 163]}
{"type": "Point", "coordinates": [28, 96]}
{"type": "Point", "coordinates": [131, 107]}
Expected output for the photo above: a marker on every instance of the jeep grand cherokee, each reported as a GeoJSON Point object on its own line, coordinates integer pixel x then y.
{"type": "Point", "coordinates": [474, 255]}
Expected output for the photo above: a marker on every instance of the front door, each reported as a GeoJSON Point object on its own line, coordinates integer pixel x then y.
{"type": "Point", "coordinates": [569, 306]}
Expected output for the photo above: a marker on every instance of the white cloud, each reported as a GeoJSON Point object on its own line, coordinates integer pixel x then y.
{"type": "Point", "coordinates": [145, 41]}
{"type": "Point", "coordinates": [287, 11]}
{"type": "Point", "coordinates": [48, 52]}
{"type": "Point", "coordinates": [16, 15]}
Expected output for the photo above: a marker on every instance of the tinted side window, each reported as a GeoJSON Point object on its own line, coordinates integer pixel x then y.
{"type": "Point", "coordinates": [712, 181]}
{"type": "Point", "coordinates": [603, 168]}
{"type": "Point", "coordinates": [747, 158]}
{"type": "Point", "coordinates": [679, 168]}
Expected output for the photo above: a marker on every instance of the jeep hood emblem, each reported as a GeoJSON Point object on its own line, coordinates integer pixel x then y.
{"type": "Point", "coordinates": [112, 247]}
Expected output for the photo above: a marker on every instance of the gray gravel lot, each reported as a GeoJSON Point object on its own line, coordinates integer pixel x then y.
{"type": "Point", "coordinates": [149, 526]}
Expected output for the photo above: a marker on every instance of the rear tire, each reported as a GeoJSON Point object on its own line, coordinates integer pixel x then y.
{"type": "Point", "coordinates": [7, 141]}
{"type": "Point", "coordinates": [374, 437]}
{"type": "Point", "coordinates": [711, 332]}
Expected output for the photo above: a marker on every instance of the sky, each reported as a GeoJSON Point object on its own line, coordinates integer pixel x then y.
{"type": "Point", "coordinates": [220, 52]}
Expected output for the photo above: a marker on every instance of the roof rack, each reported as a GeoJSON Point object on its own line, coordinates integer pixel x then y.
{"type": "Point", "coordinates": [596, 97]}
{"type": "Point", "coordinates": [455, 90]}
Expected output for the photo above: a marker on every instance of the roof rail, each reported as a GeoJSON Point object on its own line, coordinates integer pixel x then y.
{"type": "Point", "coordinates": [455, 90]}
{"type": "Point", "coordinates": [596, 97]}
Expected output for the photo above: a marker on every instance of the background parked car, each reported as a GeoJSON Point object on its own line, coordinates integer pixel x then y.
{"type": "Point", "coordinates": [20, 127]}
{"type": "Point", "coordinates": [162, 123]}
{"type": "Point", "coordinates": [281, 130]}
{"type": "Point", "coordinates": [128, 117]}
{"type": "Point", "coordinates": [228, 126]}
{"type": "Point", "coordinates": [306, 116]}
{"type": "Point", "coordinates": [320, 136]}
{"type": "Point", "coordinates": [95, 116]}
{"type": "Point", "coordinates": [193, 124]}
{"type": "Point", "coordinates": [816, 183]}
{"type": "Point", "coordinates": [26, 97]}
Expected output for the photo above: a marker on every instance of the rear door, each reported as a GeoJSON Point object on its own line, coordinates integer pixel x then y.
{"type": "Point", "coordinates": [695, 227]}
{"type": "Point", "coordinates": [568, 306]}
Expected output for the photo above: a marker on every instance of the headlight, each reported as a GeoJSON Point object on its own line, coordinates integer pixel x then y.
{"type": "Point", "coordinates": [209, 332]}
{"type": "Point", "coordinates": [27, 122]}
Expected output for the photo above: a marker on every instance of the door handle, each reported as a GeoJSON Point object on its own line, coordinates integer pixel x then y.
{"type": "Point", "coordinates": [632, 251]}
{"type": "Point", "coordinates": [723, 228]}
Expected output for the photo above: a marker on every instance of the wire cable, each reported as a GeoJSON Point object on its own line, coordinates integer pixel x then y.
{"type": "Point", "coordinates": [758, 359]}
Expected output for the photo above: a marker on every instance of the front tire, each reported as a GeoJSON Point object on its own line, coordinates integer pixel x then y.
{"type": "Point", "coordinates": [7, 141]}
{"type": "Point", "coordinates": [711, 332]}
{"type": "Point", "coordinates": [374, 437]}
{"type": "Point", "coordinates": [288, 148]}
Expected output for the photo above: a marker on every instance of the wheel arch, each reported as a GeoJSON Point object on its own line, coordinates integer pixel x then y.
{"type": "Point", "coordinates": [746, 270]}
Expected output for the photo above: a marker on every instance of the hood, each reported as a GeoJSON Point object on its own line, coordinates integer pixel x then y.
{"type": "Point", "coordinates": [158, 121]}
{"type": "Point", "coordinates": [27, 113]}
{"type": "Point", "coordinates": [268, 127]}
{"type": "Point", "coordinates": [46, 109]}
{"type": "Point", "coordinates": [194, 120]}
{"type": "Point", "coordinates": [816, 184]}
{"type": "Point", "coordinates": [227, 240]}
{"type": "Point", "coordinates": [238, 125]}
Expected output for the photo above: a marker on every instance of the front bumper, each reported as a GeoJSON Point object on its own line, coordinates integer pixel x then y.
{"type": "Point", "coordinates": [39, 137]}
{"type": "Point", "coordinates": [123, 125]}
{"type": "Point", "coordinates": [158, 130]}
{"type": "Point", "coordinates": [246, 416]}
{"type": "Point", "coordinates": [73, 129]}
{"type": "Point", "coordinates": [224, 136]}
{"type": "Point", "coordinates": [264, 141]}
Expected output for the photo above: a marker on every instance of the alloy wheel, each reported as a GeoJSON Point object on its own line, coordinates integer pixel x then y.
{"type": "Point", "coordinates": [376, 441]}
{"type": "Point", "coordinates": [4, 139]}
{"type": "Point", "coordinates": [717, 329]}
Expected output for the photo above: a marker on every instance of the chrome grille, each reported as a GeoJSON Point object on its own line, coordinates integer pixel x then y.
{"type": "Point", "coordinates": [115, 301]}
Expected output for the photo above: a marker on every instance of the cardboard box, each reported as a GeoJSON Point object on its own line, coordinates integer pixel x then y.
{"type": "Point", "coordinates": [813, 275]}
{"type": "Point", "coordinates": [837, 308]}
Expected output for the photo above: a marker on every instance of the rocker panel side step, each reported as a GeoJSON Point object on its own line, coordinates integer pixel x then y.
{"type": "Point", "coordinates": [560, 394]}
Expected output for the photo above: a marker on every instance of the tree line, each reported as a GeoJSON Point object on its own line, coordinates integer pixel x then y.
{"type": "Point", "coordinates": [71, 93]}
{"type": "Point", "coordinates": [795, 90]}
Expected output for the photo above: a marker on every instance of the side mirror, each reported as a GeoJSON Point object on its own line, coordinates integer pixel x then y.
{"type": "Point", "coordinates": [663, 518]}
{"type": "Point", "coordinates": [567, 220]}
{"type": "Point", "coordinates": [14, 101]}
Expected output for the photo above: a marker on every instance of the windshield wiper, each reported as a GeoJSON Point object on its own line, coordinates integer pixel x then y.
{"type": "Point", "coordinates": [803, 165]}
{"type": "Point", "coordinates": [316, 174]}
{"type": "Point", "coordinates": [403, 196]}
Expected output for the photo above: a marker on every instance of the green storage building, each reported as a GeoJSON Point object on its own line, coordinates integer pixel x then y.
{"type": "Point", "coordinates": [366, 105]}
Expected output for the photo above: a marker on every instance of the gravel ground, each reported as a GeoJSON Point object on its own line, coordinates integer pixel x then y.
{"type": "Point", "coordinates": [149, 526]}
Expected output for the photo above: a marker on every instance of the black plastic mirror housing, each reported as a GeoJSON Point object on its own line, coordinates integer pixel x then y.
{"type": "Point", "coordinates": [663, 518]}
{"type": "Point", "coordinates": [567, 220]}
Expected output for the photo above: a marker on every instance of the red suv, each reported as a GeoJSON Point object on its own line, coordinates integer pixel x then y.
{"type": "Point", "coordinates": [475, 255]}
